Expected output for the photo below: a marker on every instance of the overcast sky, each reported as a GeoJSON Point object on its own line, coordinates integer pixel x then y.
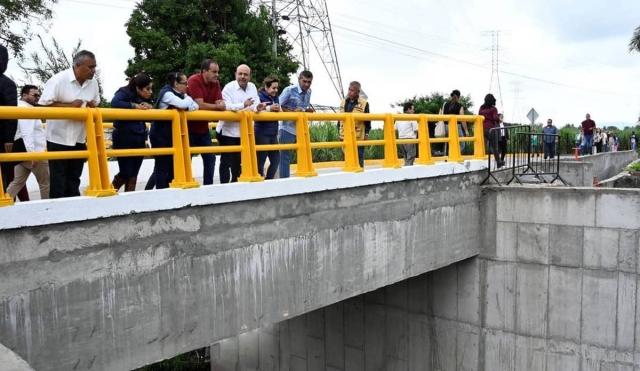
{"type": "Point", "coordinates": [563, 58]}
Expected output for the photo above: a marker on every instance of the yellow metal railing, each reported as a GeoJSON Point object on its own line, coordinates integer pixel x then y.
{"type": "Point", "coordinates": [97, 152]}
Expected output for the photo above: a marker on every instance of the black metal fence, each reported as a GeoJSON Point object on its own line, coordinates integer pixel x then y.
{"type": "Point", "coordinates": [527, 156]}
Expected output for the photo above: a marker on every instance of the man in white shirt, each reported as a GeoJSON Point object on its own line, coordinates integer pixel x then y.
{"type": "Point", "coordinates": [71, 88]}
{"type": "Point", "coordinates": [239, 95]}
{"type": "Point", "coordinates": [30, 137]}
{"type": "Point", "coordinates": [408, 130]}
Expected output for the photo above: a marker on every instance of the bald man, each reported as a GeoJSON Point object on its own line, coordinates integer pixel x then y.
{"type": "Point", "coordinates": [238, 95]}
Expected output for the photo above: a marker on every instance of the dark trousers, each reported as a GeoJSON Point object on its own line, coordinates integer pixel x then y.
{"type": "Point", "coordinates": [65, 174]}
{"type": "Point", "coordinates": [502, 148]}
{"type": "Point", "coordinates": [230, 165]}
{"type": "Point", "coordinates": [274, 156]}
{"type": "Point", "coordinates": [492, 136]}
{"type": "Point", "coordinates": [208, 159]}
{"type": "Point", "coordinates": [163, 167]}
{"type": "Point", "coordinates": [128, 166]}
{"type": "Point", "coordinates": [361, 156]}
{"type": "Point", "coordinates": [549, 150]}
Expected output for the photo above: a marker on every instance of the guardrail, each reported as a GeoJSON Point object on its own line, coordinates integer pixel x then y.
{"type": "Point", "coordinates": [97, 152]}
{"type": "Point", "coordinates": [524, 156]}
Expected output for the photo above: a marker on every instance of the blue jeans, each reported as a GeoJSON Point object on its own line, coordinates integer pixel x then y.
{"type": "Point", "coordinates": [463, 145]}
{"type": "Point", "coordinates": [633, 146]}
{"type": "Point", "coordinates": [285, 156]}
{"type": "Point", "coordinates": [274, 156]}
{"type": "Point", "coordinates": [587, 143]}
{"type": "Point", "coordinates": [208, 159]}
{"type": "Point", "coordinates": [361, 156]}
{"type": "Point", "coordinates": [128, 166]}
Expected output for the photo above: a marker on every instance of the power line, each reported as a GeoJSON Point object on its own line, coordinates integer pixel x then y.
{"type": "Point", "coordinates": [479, 65]}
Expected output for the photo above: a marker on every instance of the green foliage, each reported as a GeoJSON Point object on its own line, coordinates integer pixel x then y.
{"type": "Point", "coordinates": [24, 13]}
{"type": "Point", "coordinates": [634, 166]}
{"type": "Point", "coordinates": [55, 60]}
{"type": "Point", "coordinates": [432, 103]}
{"type": "Point", "coordinates": [634, 43]}
{"type": "Point", "coordinates": [325, 132]}
{"type": "Point", "coordinates": [173, 35]}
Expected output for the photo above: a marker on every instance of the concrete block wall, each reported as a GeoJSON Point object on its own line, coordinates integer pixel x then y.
{"type": "Point", "coordinates": [559, 283]}
{"type": "Point", "coordinates": [601, 165]}
{"type": "Point", "coordinates": [555, 289]}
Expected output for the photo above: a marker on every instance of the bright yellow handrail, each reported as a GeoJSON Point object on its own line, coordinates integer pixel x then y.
{"type": "Point", "coordinates": [97, 154]}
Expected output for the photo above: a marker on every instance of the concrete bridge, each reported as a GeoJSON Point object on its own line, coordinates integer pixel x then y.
{"type": "Point", "coordinates": [416, 268]}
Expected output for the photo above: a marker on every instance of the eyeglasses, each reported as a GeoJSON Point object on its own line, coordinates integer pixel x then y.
{"type": "Point", "coordinates": [181, 82]}
{"type": "Point", "coordinates": [37, 96]}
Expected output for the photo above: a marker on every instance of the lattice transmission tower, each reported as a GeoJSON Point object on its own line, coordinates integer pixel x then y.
{"type": "Point", "coordinates": [307, 26]}
{"type": "Point", "coordinates": [494, 84]}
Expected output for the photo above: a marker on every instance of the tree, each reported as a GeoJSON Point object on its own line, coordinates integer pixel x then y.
{"type": "Point", "coordinates": [174, 35]}
{"type": "Point", "coordinates": [634, 43]}
{"type": "Point", "coordinates": [55, 60]}
{"type": "Point", "coordinates": [25, 12]}
{"type": "Point", "coordinates": [432, 103]}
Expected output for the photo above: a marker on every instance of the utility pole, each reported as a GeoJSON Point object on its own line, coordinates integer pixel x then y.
{"type": "Point", "coordinates": [274, 23]}
{"type": "Point", "coordinates": [516, 102]}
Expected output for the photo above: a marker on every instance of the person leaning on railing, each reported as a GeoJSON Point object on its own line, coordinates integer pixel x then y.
{"type": "Point", "coordinates": [267, 131]}
{"type": "Point", "coordinates": [73, 88]}
{"type": "Point", "coordinates": [356, 104]}
{"type": "Point", "coordinates": [171, 96]}
{"type": "Point", "coordinates": [130, 134]}
{"type": "Point", "coordinates": [294, 98]}
{"type": "Point", "coordinates": [491, 120]}
{"type": "Point", "coordinates": [205, 89]}
{"type": "Point", "coordinates": [238, 95]}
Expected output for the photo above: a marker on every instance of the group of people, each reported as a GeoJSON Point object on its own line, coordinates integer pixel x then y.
{"type": "Point", "coordinates": [76, 87]}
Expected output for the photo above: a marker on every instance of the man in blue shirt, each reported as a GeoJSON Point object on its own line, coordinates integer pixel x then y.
{"type": "Point", "coordinates": [549, 138]}
{"type": "Point", "coordinates": [294, 98]}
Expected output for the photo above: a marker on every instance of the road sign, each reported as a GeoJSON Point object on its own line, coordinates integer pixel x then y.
{"type": "Point", "coordinates": [532, 116]}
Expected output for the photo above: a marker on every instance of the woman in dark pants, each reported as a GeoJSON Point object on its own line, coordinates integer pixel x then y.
{"type": "Point", "coordinates": [267, 131]}
{"type": "Point", "coordinates": [491, 120]}
{"type": "Point", "coordinates": [129, 134]}
{"type": "Point", "coordinates": [171, 96]}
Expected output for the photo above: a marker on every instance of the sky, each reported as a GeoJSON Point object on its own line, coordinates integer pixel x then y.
{"type": "Point", "coordinates": [562, 58]}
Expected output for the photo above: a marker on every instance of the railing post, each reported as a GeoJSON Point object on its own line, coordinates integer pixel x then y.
{"type": "Point", "coordinates": [97, 186]}
{"type": "Point", "coordinates": [424, 147]}
{"type": "Point", "coordinates": [182, 172]}
{"type": "Point", "coordinates": [248, 155]}
{"type": "Point", "coordinates": [350, 147]}
{"type": "Point", "coordinates": [479, 149]}
{"type": "Point", "coordinates": [454, 141]}
{"type": "Point", "coordinates": [390, 147]}
{"type": "Point", "coordinates": [102, 151]}
{"type": "Point", "coordinates": [303, 140]}
{"type": "Point", "coordinates": [5, 200]}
